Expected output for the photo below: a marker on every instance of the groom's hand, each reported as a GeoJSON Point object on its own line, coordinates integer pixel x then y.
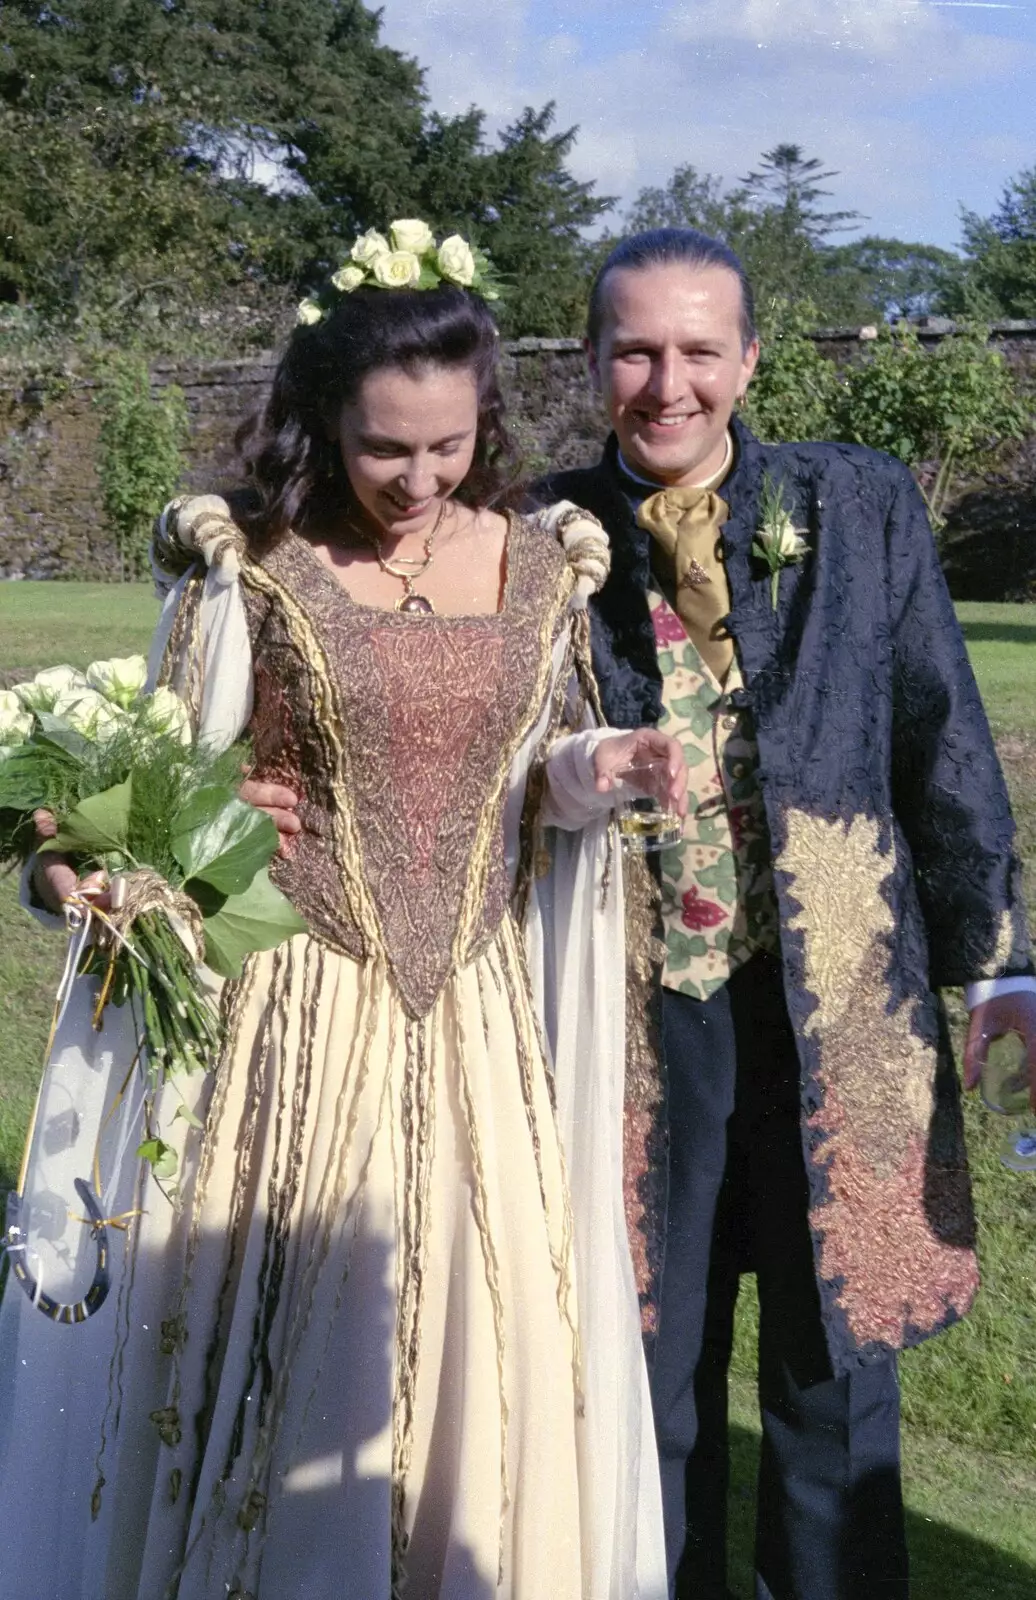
{"type": "Point", "coordinates": [992, 1019]}
{"type": "Point", "coordinates": [279, 803]}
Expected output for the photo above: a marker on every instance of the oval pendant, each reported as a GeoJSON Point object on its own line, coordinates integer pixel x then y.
{"type": "Point", "coordinates": [415, 604]}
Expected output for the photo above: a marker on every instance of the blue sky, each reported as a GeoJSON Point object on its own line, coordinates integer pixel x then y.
{"type": "Point", "coordinates": [920, 105]}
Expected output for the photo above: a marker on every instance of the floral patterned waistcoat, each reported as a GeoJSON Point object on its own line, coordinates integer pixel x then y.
{"type": "Point", "coordinates": [718, 903]}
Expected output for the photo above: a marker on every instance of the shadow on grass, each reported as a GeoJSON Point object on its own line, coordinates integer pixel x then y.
{"type": "Point", "coordinates": [999, 632]}
{"type": "Point", "coordinates": [945, 1563]}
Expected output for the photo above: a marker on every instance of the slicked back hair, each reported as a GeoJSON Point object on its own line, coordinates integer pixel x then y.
{"type": "Point", "coordinates": [661, 247]}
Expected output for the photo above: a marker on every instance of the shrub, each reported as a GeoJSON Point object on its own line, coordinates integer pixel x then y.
{"type": "Point", "coordinates": [141, 457]}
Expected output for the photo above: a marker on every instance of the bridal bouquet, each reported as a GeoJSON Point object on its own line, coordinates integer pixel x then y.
{"type": "Point", "coordinates": [133, 795]}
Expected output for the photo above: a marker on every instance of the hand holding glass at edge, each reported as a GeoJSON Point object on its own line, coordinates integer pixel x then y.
{"type": "Point", "coordinates": [1000, 1055]}
{"type": "Point", "coordinates": [648, 773]}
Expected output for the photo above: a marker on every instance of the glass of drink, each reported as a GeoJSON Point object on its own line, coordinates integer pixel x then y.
{"type": "Point", "coordinates": [1005, 1089]}
{"type": "Point", "coordinates": [646, 820]}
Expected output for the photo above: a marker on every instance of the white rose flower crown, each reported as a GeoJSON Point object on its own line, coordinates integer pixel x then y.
{"type": "Point", "coordinates": [408, 258]}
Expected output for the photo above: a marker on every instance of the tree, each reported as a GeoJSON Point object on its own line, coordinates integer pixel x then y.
{"type": "Point", "coordinates": [533, 227]}
{"type": "Point", "coordinates": [789, 182]}
{"type": "Point", "coordinates": [999, 279]}
{"type": "Point", "coordinates": [691, 199]}
{"type": "Point", "coordinates": [887, 278]}
{"type": "Point", "coordinates": [189, 95]}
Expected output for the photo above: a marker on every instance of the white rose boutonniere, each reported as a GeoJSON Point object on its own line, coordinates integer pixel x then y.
{"type": "Point", "coordinates": [369, 246]}
{"type": "Point", "coordinates": [410, 233]}
{"type": "Point", "coordinates": [308, 313]}
{"type": "Point", "coordinates": [396, 269]}
{"type": "Point", "coordinates": [348, 278]}
{"type": "Point", "coordinates": [456, 261]}
{"type": "Point", "coordinates": [777, 541]}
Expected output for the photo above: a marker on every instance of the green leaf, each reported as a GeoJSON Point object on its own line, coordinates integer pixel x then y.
{"type": "Point", "coordinates": [98, 823]}
{"type": "Point", "coordinates": [162, 1157]}
{"type": "Point", "coordinates": [57, 731]}
{"type": "Point", "coordinates": [185, 1113]}
{"type": "Point", "coordinates": [21, 783]}
{"type": "Point", "coordinates": [258, 919]}
{"type": "Point", "coordinates": [224, 846]}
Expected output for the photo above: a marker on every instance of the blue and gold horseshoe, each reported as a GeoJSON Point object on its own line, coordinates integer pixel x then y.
{"type": "Point", "coordinates": [15, 1242]}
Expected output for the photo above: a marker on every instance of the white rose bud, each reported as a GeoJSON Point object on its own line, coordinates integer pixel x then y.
{"type": "Point", "coordinates": [790, 542]}
{"type": "Point", "coordinates": [397, 269]}
{"type": "Point", "coordinates": [89, 713]}
{"type": "Point", "coordinates": [456, 261]}
{"type": "Point", "coordinates": [308, 313]}
{"type": "Point", "coordinates": [410, 233]}
{"type": "Point", "coordinates": [119, 680]}
{"type": "Point", "coordinates": [369, 246]}
{"type": "Point", "coordinates": [165, 713]}
{"type": "Point", "coordinates": [41, 693]}
{"type": "Point", "coordinates": [348, 278]}
{"type": "Point", "coordinates": [15, 724]}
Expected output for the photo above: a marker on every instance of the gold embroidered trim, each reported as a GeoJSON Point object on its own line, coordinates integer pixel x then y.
{"type": "Point", "coordinates": [327, 720]}
{"type": "Point", "coordinates": [478, 869]}
{"type": "Point", "coordinates": [183, 665]}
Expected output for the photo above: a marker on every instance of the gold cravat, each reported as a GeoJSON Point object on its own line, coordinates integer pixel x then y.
{"type": "Point", "coordinates": [685, 523]}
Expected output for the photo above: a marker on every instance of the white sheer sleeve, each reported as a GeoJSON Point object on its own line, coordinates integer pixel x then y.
{"type": "Point", "coordinates": [575, 937]}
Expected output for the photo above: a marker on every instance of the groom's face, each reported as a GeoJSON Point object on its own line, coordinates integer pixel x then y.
{"type": "Point", "coordinates": [670, 364]}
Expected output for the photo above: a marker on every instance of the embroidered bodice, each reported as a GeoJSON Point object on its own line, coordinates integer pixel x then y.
{"type": "Point", "coordinates": [399, 731]}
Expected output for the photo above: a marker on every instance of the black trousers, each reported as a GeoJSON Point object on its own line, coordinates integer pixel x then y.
{"type": "Point", "coordinates": [830, 1514]}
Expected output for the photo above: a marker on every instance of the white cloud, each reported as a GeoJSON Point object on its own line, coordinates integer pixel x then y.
{"type": "Point", "coordinates": [715, 82]}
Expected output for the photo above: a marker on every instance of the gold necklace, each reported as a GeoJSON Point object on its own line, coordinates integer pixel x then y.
{"type": "Point", "coordinates": [407, 568]}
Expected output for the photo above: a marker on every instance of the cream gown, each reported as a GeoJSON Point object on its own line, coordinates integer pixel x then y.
{"type": "Point", "coordinates": [348, 1362]}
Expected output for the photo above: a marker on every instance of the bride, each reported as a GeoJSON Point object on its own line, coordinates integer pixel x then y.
{"type": "Point", "coordinates": [387, 1337]}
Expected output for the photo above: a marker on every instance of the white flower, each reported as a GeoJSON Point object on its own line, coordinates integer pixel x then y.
{"type": "Point", "coordinates": [456, 261]}
{"type": "Point", "coordinates": [89, 713]}
{"type": "Point", "coordinates": [15, 724]}
{"type": "Point", "coordinates": [348, 278]}
{"type": "Point", "coordinates": [41, 693]}
{"type": "Point", "coordinates": [780, 537]}
{"type": "Point", "coordinates": [396, 269]}
{"type": "Point", "coordinates": [308, 313]}
{"type": "Point", "coordinates": [119, 680]}
{"type": "Point", "coordinates": [165, 713]}
{"type": "Point", "coordinates": [410, 233]}
{"type": "Point", "coordinates": [369, 246]}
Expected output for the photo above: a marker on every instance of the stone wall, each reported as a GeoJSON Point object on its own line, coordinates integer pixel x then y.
{"type": "Point", "coordinates": [52, 522]}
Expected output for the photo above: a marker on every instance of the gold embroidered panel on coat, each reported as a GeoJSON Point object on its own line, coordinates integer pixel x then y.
{"type": "Point", "coordinates": [894, 1228]}
{"type": "Point", "coordinates": [432, 711]}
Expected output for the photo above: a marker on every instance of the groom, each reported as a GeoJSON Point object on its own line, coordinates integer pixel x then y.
{"type": "Point", "coordinates": [792, 1103]}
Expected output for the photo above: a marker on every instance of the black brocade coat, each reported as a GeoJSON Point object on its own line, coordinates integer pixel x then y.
{"type": "Point", "coordinates": [893, 849]}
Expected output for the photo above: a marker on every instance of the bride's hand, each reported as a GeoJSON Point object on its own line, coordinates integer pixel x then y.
{"type": "Point", "coordinates": [54, 878]}
{"type": "Point", "coordinates": [279, 803]}
{"type": "Point", "coordinates": [644, 744]}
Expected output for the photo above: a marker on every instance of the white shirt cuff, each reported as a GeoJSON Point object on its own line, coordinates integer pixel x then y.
{"type": "Point", "coordinates": [975, 994]}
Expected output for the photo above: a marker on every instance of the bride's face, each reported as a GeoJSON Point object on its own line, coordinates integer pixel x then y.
{"type": "Point", "coordinates": [407, 441]}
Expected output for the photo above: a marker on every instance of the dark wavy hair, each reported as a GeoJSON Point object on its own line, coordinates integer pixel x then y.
{"type": "Point", "coordinates": [660, 247]}
{"type": "Point", "coordinates": [293, 472]}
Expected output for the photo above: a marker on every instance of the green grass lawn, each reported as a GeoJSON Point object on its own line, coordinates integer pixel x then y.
{"type": "Point", "coordinates": [51, 624]}
{"type": "Point", "coordinates": [969, 1397]}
